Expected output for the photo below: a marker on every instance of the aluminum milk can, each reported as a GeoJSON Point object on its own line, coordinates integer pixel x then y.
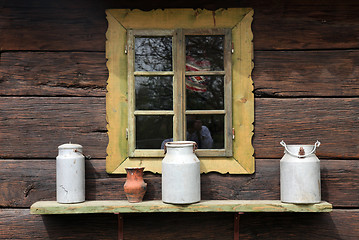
{"type": "Point", "coordinates": [300, 174]}
{"type": "Point", "coordinates": [181, 173]}
{"type": "Point", "coordinates": [70, 174]}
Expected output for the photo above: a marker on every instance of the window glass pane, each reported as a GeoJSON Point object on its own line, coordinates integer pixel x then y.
{"type": "Point", "coordinates": [154, 93]}
{"type": "Point", "coordinates": [153, 54]}
{"type": "Point", "coordinates": [152, 131]}
{"type": "Point", "coordinates": [204, 92]}
{"type": "Point", "coordinates": [206, 130]}
{"type": "Point", "coordinates": [204, 53]}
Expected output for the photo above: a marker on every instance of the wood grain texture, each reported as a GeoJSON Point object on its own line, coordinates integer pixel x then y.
{"type": "Point", "coordinates": [19, 224]}
{"type": "Point", "coordinates": [278, 24]}
{"type": "Point", "coordinates": [117, 116]}
{"type": "Point", "coordinates": [36, 124]}
{"type": "Point", "coordinates": [52, 29]}
{"type": "Point", "coordinates": [56, 120]}
{"type": "Point", "coordinates": [53, 73]}
{"type": "Point", "coordinates": [25, 182]}
{"type": "Point", "coordinates": [306, 73]}
{"type": "Point", "coordinates": [340, 224]}
{"type": "Point", "coordinates": [33, 127]}
{"type": "Point", "coordinates": [123, 206]}
{"type": "Point", "coordinates": [332, 121]}
{"type": "Point", "coordinates": [306, 25]}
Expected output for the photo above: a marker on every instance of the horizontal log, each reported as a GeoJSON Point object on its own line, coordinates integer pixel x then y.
{"type": "Point", "coordinates": [142, 4]}
{"type": "Point", "coordinates": [24, 182]}
{"type": "Point", "coordinates": [30, 122]}
{"type": "Point", "coordinates": [306, 25]}
{"type": "Point", "coordinates": [340, 224]}
{"type": "Point", "coordinates": [20, 224]}
{"type": "Point", "coordinates": [53, 73]}
{"type": "Point", "coordinates": [276, 73]}
{"type": "Point", "coordinates": [332, 121]}
{"type": "Point", "coordinates": [35, 127]}
{"type": "Point", "coordinates": [277, 24]}
{"type": "Point", "coordinates": [53, 29]}
{"type": "Point", "coordinates": [306, 73]}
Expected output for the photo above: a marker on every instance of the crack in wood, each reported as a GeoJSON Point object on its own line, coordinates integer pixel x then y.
{"type": "Point", "coordinates": [28, 189]}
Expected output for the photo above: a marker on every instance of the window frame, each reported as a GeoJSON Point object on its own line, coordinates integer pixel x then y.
{"type": "Point", "coordinates": [179, 111]}
{"type": "Point", "coordinates": [117, 98]}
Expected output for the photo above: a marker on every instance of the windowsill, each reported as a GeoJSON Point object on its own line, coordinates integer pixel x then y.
{"type": "Point", "coordinates": [153, 206]}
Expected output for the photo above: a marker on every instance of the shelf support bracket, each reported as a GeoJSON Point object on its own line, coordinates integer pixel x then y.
{"type": "Point", "coordinates": [236, 225]}
{"type": "Point", "coordinates": [120, 226]}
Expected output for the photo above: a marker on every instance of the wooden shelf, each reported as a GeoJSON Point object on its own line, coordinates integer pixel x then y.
{"type": "Point", "coordinates": [52, 207]}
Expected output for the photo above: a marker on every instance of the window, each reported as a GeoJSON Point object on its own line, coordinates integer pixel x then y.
{"type": "Point", "coordinates": [179, 89]}
{"type": "Point", "coordinates": [180, 74]}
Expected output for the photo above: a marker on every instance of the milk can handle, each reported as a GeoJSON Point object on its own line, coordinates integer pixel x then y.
{"type": "Point", "coordinates": [316, 145]}
{"type": "Point", "coordinates": [195, 147]}
{"type": "Point", "coordinates": [88, 157]}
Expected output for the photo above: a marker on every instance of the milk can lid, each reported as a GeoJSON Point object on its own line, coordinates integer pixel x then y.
{"type": "Point", "coordinates": [177, 144]}
{"type": "Point", "coordinates": [70, 146]}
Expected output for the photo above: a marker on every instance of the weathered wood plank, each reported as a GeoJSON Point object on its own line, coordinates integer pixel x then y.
{"type": "Point", "coordinates": [277, 24]}
{"type": "Point", "coordinates": [306, 73]}
{"type": "Point", "coordinates": [35, 127]}
{"type": "Point", "coordinates": [53, 73]}
{"type": "Point", "coordinates": [56, 120]}
{"type": "Point", "coordinates": [339, 224]}
{"type": "Point", "coordinates": [19, 224]}
{"type": "Point", "coordinates": [24, 182]}
{"type": "Point", "coordinates": [142, 4]}
{"type": "Point", "coordinates": [123, 206]}
{"type": "Point", "coordinates": [306, 25]}
{"type": "Point", "coordinates": [332, 121]}
{"type": "Point", "coordinates": [52, 29]}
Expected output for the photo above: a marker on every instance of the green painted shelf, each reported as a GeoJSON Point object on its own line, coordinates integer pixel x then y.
{"type": "Point", "coordinates": [52, 207]}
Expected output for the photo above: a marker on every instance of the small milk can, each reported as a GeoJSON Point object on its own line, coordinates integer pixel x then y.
{"type": "Point", "coordinates": [70, 174]}
{"type": "Point", "coordinates": [300, 174]}
{"type": "Point", "coordinates": [181, 173]}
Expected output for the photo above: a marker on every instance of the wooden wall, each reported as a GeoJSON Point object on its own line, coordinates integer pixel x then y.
{"type": "Point", "coordinates": [52, 90]}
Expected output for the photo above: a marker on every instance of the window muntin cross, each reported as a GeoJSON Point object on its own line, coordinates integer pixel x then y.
{"type": "Point", "coordinates": [179, 89]}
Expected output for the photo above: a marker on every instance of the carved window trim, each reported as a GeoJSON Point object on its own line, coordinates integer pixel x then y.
{"type": "Point", "coordinates": [239, 21]}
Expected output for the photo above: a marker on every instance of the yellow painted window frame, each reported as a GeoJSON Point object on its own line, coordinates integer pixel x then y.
{"type": "Point", "coordinates": [237, 19]}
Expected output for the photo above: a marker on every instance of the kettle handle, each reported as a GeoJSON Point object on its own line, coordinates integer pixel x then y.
{"type": "Point", "coordinates": [316, 145]}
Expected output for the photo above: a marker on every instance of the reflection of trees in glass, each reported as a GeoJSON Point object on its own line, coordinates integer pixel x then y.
{"type": "Point", "coordinates": [154, 93]}
{"type": "Point", "coordinates": [153, 54]}
{"type": "Point", "coordinates": [152, 130]}
{"type": "Point", "coordinates": [206, 48]}
{"type": "Point", "coordinates": [210, 99]}
{"type": "Point", "coordinates": [203, 53]}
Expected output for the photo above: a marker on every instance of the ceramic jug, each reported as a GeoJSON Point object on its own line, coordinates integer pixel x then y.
{"type": "Point", "coordinates": [135, 188]}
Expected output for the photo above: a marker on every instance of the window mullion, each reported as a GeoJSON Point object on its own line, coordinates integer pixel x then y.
{"type": "Point", "coordinates": [178, 85]}
{"type": "Point", "coordinates": [228, 92]}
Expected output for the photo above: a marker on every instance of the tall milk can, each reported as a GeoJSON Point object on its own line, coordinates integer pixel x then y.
{"type": "Point", "coordinates": [70, 174]}
{"type": "Point", "coordinates": [300, 174]}
{"type": "Point", "coordinates": [181, 173]}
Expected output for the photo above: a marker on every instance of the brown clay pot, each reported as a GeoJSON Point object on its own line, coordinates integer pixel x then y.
{"type": "Point", "coordinates": [135, 187]}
